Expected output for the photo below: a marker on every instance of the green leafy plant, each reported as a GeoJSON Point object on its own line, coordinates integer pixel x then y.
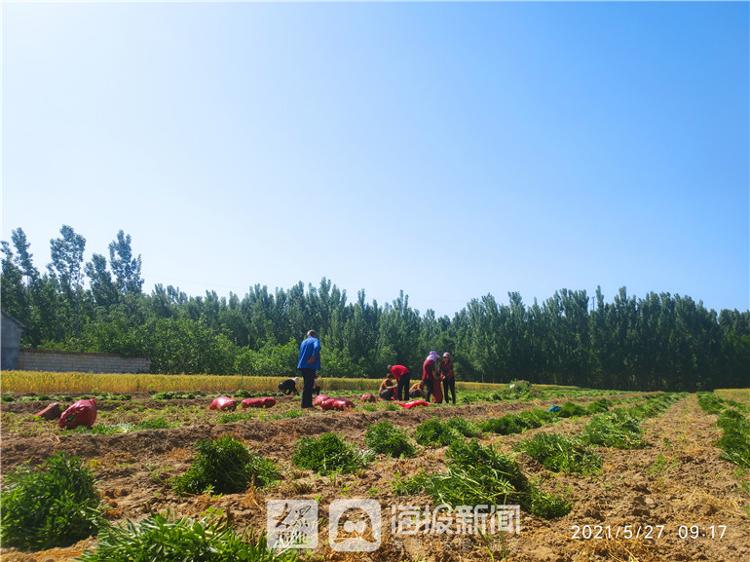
{"type": "Point", "coordinates": [536, 417]}
{"type": "Point", "coordinates": [710, 403]}
{"type": "Point", "coordinates": [53, 505]}
{"type": "Point", "coordinates": [464, 427]}
{"type": "Point", "coordinates": [598, 406]}
{"type": "Point", "coordinates": [735, 438]}
{"type": "Point", "coordinates": [616, 429]}
{"type": "Point", "coordinates": [385, 438]}
{"type": "Point", "coordinates": [435, 433]}
{"type": "Point", "coordinates": [548, 506]}
{"type": "Point", "coordinates": [479, 475]}
{"type": "Point", "coordinates": [327, 454]}
{"type": "Point", "coordinates": [561, 454]}
{"type": "Point", "coordinates": [571, 410]}
{"type": "Point", "coordinates": [157, 539]}
{"type": "Point", "coordinates": [225, 465]}
{"type": "Point", "coordinates": [505, 425]}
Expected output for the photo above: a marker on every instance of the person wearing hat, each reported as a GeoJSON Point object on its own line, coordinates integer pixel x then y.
{"type": "Point", "coordinates": [448, 377]}
{"type": "Point", "coordinates": [309, 364]}
{"type": "Point", "coordinates": [289, 386]}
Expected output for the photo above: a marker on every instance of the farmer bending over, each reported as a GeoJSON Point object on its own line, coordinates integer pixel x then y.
{"type": "Point", "coordinates": [401, 374]}
{"type": "Point", "coordinates": [309, 364]}
{"type": "Point", "coordinates": [289, 386]}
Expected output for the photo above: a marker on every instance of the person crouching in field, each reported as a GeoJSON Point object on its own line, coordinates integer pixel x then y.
{"type": "Point", "coordinates": [309, 364]}
{"type": "Point", "coordinates": [401, 374]}
{"type": "Point", "coordinates": [387, 389]}
{"type": "Point", "coordinates": [417, 390]}
{"type": "Point", "coordinates": [431, 378]}
{"type": "Point", "coordinates": [448, 376]}
{"type": "Point", "coordinates": [289, 386]}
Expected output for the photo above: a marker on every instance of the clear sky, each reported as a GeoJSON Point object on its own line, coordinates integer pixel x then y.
{"type": "Point", "coordinates": [449, 150]}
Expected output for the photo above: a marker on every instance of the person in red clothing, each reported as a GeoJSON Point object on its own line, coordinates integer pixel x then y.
{"type": "Point", "coordinates": [401, 374]}
{"type": "Point", "coordinates": [431, 377]}
{"type": "Point", "coordinates": [448, 377]}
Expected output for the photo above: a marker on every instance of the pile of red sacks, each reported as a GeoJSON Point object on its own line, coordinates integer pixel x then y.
{"type": "Point", "coordinates": [328, 403]}
{"type": "Point", "coordinates": [223, 403]}
{"type": "Point", "coordinates": [79, 413]}
{"type": "Point", "coordinates": [258, 402]}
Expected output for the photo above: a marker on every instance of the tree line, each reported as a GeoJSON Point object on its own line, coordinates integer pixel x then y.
{"type": "Point", "coordinates": [659, 341]}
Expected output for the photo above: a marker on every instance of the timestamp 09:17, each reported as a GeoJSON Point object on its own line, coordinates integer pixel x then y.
{"type": "Point", "coordinates": [647, 532]}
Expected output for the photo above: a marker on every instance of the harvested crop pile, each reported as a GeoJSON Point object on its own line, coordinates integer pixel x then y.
{"type": "Point", "coordinates": [340, 404]}
{"type": "Point", "coordinates": [616, 429]}
{"type": "Point", "coordinates": [319, 399]}
{"type": "Point", "coordinates": [436, 433]}
{"type": "Point", "coordinates": [561, 454]}
{"type": "Point", "coordinates": [479, 475]}
{"type": "Point", "coordinates": [386, 439]}
{"type": "Point", "coordinates": [51, 412]}
{"type": "Point", "coordinates": [464, 427]}
{"type": "Point", "coordinates": [79, 413]}
{"type": "Point", "coordinates": [223, 403]}
{"type": "Point", "coordinates": [328, 454]}
{"type": "Point", "coordinates": [266, 402]}
{"type": "Point", "coordinates": [225, 466]}
{"type": "Point", "coordinates": [368, 397]}
{"type": "Point", "coordinates": [54, 505]}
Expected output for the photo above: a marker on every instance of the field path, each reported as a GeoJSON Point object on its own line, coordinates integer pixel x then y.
{"type": "Point", "coordinates": [678, 480]}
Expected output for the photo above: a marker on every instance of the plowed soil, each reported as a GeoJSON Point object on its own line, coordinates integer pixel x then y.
{"type": "Point", "coordinates": [678, 480]}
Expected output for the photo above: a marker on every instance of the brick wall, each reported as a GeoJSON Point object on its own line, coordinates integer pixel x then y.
{"type": "Point", "coordinates": [36, 360]}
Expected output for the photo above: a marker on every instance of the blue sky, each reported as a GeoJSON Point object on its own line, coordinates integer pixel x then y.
{"type": "Point", "coordinates": [449, 150]}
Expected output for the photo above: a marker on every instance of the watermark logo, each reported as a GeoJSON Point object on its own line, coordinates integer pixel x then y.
{"type": "Point", "coordinates": [292, 524]}
{"type": "Point", "coordinates": [354, 525]}
{"type": "Point", "coordinates": [411, 520]}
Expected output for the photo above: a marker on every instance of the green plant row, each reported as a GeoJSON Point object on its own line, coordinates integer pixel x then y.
{"type": "Point", "coordinates": [735, 427]}
{"type": "Point", "coordinates": [619, 428]}
{"type": "Point", "coordinates": [158, 539]}
{"type": "Point", "coordinates": [480, 475]}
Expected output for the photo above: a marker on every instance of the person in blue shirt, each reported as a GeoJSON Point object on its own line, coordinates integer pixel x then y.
{"type": "Point", "coordinates": [309, 364]}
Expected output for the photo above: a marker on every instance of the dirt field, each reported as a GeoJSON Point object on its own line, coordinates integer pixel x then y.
{"type": "Point", "coordinates": [678, 480]}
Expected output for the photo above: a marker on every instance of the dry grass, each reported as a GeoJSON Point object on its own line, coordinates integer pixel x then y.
{"type": "Point", "coordinates": [43, 382]}
{"type": "Point", "coordinates": [737, 394]}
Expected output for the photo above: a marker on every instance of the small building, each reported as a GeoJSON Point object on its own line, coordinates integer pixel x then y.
{"type": "Point", "coordinates": [11, 331]}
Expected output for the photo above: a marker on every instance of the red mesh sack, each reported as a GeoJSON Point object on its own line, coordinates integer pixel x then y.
{"type": "Point", "coordinates": [223, 403]}
{"type": "Point", "coordinates": [328, 404]}
{"type": "Point", "coordinates": [319, 399]}
{"type": "Point", "coordinates": [258, 402]}
{"type": "Point", "coordinates": [413, 403]}
{"type": "Point", "coordinates": [252, 402]}
{"type": "Point", "coordinates": [82, 412]}
{"type": "Point", "coordinates": [342, 404]}
{"type": "Point", "coordinates": [51, 412]}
